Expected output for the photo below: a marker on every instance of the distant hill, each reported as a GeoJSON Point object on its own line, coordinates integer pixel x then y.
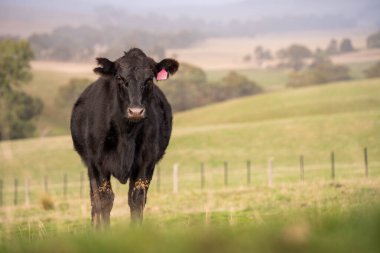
{"type": "Point", "coordinates": [314, 121]}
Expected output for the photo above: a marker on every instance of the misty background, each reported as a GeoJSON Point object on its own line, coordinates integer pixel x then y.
{"type": "Point", "coordinates": [97, 27]}
{"type": "Point", "coordinates": [226, 17]}
{"type": "Point", "coordinates": [227, 49]}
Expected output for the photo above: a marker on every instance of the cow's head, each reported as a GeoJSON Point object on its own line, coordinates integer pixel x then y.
{"type": "Point", "coordinates": [133, 74]}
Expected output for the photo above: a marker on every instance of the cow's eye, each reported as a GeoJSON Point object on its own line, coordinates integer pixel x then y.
{"type": "Point", "coordinates": [149, 81]}
{"type": "Point", "coordinates": [122, 81]}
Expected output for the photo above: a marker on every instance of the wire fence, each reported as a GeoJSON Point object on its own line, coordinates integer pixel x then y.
{"type": "Point", "coordinates": [28, 191]}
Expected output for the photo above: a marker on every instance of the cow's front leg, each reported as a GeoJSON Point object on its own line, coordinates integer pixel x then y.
{"type": "Point", "coordinates": [95, 203]}
{"type": "Point", "coordinates": [106, 199]}
{"type": "Point", "coordinates": [138, 190]}
{"type": "Point", "coordinates": [101, 200]}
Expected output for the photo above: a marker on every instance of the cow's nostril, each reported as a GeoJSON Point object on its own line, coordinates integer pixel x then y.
{"type": "Point", "coordinates": [142, 111]}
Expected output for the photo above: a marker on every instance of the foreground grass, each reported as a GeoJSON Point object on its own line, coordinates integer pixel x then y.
{"type": "Point", "coordinates": [341, 216]}
{"type": "Point", "coordinates": [357, 232]}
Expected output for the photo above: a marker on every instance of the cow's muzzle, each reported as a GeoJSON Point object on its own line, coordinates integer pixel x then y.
{"type": "Point", "coordinates": [135, 113]}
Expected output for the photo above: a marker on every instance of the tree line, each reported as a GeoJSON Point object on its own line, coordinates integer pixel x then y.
{"type": "Point", "coordinates": [85, 42]}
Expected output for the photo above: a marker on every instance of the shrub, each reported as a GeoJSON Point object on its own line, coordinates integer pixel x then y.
{"type": "Point", "coordinates": [373, 71]}
{"type": "Point", "coordinates": [320, 72]}
{"type": "Point", "coordinates": [373, 41]}
{"type": "Point", "coordinates": [47, 202]}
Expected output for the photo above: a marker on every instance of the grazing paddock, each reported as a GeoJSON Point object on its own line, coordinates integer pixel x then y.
{"type": "Point", "coordinates": [320, 213]}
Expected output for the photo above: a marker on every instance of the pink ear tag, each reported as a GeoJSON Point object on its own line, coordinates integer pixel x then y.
{"type": "Point", "coordinates": [162, 75]}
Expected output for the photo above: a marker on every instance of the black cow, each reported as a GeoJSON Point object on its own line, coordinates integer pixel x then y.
{"type": "Point", "coordinates": [121, 125]}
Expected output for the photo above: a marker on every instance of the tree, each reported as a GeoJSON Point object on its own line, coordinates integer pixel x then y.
{"type": "Point", "coordinates": [69, 93]}
{"type": "Point", "coordinates": [295, 55]}
{"type": "Point", "coordinates": [346, 46]}
{"type": "Point", "coordinates": [332, 48]}
{"type": "Point", "coordinates": [262, 54]}
{"type": "Point", "coordinates": [17, 108]}
{"type": "Point", "coordinates": [235, 85]}
{"type": "Point", "coordinates": [187, 89]}
{"type": "Point", "coordinates": [373, 71]}
{"type": "Point", "coordinates": [373, 41]}
{"type": "Point", "coordinates": [321, 71]}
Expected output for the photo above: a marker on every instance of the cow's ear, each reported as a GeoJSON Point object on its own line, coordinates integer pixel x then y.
{"type": "Point", "coordinates": [107, 67]}
{"type": "Point", "coordinates": [165, 68]}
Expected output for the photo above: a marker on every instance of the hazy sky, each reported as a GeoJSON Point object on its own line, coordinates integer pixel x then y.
{"type": "Point", "coordinates": [163, 2]}
{"type": "Point", "coordinates": [26, 16]}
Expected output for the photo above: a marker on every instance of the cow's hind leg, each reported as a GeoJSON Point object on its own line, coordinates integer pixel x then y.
{"type": "Point", "coordinates": [138, 190]}
{"type": "Point", "coordinates": [101, 199]}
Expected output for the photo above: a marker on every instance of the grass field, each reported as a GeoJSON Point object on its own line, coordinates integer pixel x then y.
{"type": "Point", "coordinates": [276, 79]}
{"type": "Point", "coordinates": [314, 216]}
{"type": "Point", "coordinates": [54, 121]}
{"type": "Point", "coordinates": [341, 117]}
{"type": "Point", "coordinates": [45, 85]}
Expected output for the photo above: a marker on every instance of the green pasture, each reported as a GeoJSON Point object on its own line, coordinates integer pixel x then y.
{"type": "Point", "coordinates": [343, 118]}
{"type": "Point", "coordinates": [317, 214]}
{"type": "Point", "coordinates": [45, 85]}
{"type": "Point", "coordinates": [52, 122]}
{"type": "Point", "coordinates": [269, 79]}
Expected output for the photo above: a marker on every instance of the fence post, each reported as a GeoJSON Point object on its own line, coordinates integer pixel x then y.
{"type": "Point", "coordinates": [202, 176]}
{"type": "Point", "coordinates": [1, 192]}
{"type": "Point", "coordinates": [270, 172]}
{"type": "Point", "coordinates": [65, 185]}
{"type": "Point", "coordinates": [27, 202]}
{"type": "Point", "coordinates": [366, 161]}
{"type": "Point", "coordinates": [301, 169]}
{"type": "Point", "coordinates": [15, 200]}
{"type": "Point", "coordinates": [158, 178]}
{"type": "Point", "coordinates": [81, 178]}
{"type": "Point", "coordinates": [46, 184]}
{"type": "Point", "coordinates": [225, 173]}
{"type": "Point", "coordinates": [332, 165]}
{"type": "Point", "coordinates": [175, 178]}
{"type": "Point", "coordinates": [248, 172]}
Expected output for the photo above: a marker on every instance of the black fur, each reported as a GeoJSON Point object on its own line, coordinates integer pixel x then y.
{"type": "Point", "coordinates": [169, 65]}
{"type": "Point", "coordinates": [110, 143]}
{"type": "Point", "coordinates": [108, 67]}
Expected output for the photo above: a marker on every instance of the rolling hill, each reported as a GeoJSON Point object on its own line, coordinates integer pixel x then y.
{"type": "Point", "coordinates": [340, 117]}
